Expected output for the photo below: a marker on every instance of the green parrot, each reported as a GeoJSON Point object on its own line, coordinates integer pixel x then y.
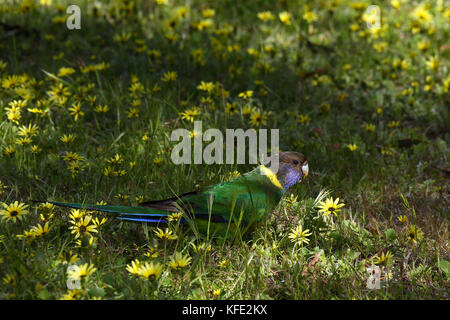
{"type": "Point", "coordinates": [227, 209]}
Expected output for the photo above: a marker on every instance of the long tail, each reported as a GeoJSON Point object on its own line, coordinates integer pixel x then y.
{"type": "Point", "coordinates": [123, 212]}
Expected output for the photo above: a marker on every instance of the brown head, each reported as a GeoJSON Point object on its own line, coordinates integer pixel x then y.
{"type": "Point", "coordinates": [293, 166]}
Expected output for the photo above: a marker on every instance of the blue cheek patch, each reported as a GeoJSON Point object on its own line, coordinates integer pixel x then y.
{"type": "Point", "coordinates": [291, 178]}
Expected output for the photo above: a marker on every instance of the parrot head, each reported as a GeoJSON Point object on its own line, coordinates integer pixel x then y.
{"type": "Point", "coordinates": [293, 166]}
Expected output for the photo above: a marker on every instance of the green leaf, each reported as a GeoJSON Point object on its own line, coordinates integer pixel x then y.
{"type": "Point", "coordinates": [44, 295]}
{"type": "Point", "coordinates": [97, 292]}
{"type": "Point", "coordinates": [390, 234]}
{"type": "Point", "coordinates": [444, 266]}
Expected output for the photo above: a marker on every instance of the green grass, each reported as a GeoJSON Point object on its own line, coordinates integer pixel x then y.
{"type": "Point", "coordinates": [332, 70]}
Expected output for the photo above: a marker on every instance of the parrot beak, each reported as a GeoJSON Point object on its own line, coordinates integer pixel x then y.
{"type": "Point", "coordinates": [305, 169]}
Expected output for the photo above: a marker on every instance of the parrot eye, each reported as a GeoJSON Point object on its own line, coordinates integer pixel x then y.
{"type": "Point", "coordinates": [295, 162]}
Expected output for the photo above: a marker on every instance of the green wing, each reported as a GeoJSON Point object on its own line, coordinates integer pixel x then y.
{"type": "Point", "coordinates": [241, 201]}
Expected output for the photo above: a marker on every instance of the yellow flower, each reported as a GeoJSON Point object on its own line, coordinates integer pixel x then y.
{"type": "Point", "coordinates": [58, 92]}
{"type": "Point", "coordinates": [81, 272]}
{"type": "Point", "coordinates": [122, 38]}
{"type": "Point", "coordinates": [9, 150]}
{"type": "Point", "coordinates": [352, 147]}
{"type": "Point", "coordinates": [10, 279]}
{"type": "Point", "coordinates": [3, 65]}
{"type": "Point", "coordinates": [285, 17]}
{"type": "Point", "coordinates": [393, 124]}
{"type": "Point", "coordinates": [433, 63]}
{"type": "Point", "coordinates": [75, 111]}
{"type": "Point", "coordinates": [370, 127]}
{"type": "Point", "coordinates": [72, 157]}
{"type": "Point", "coordinates": [13, 212]}
{"type": "Point", "coordinates": [2, 187]}
{"type": "Point", "coordinates": [190, 114]}
{"type": "Point", "coordinates": [204, 24]}
{"type": "Point", "coordinates": [174, 217]}
{"type": "Point", "coordinates": [65, 72]}
{"type": "Point", "coordinates": [166, 234]}
{"type": "Point", "coordinates": [415, 234]}
{"type": "Point", "coordinates": [330, 206]}
{"type": "Point", "coordinates": [231, 108]}
{"type": "Point", "coordinates": [258, 118]}
{"type": "Point", "coordinates": [182, 11]}
{"type": "Point", "coordinates": [29, 131]}
{"type": "Point", "coordinates": [150, 271]}
{"type": "Point", "coordinates": [74, 294]}
{"type": "Point", "coordinates": [403, 219]}
{"type": "Point", "coordinates": [35, 149]}
{"type": "Point", "coordinates": [265, 16]}
{"type": "Point", "coordinates": [304, 118]}
{"type": "Point", "coordinates": [396, 4]}
{"type": "Point", "coordinates": [14, 115]}
{"type": "Point", "coordinates": [423, 45]}
{"type": "Point", "coordinates": [152, 252]}
{"type": "Point", "coordinates": [117, 159]}
{"type": "Point", "coordinates": [246, 94]}
{"type": "Point", "coordinates": [179, 261]}
{"type": "Point", "coordinates": [310, 16]}
{"type": "Point", "coordinates": [46, 211]}
{"type": "Point", "coordinates": [384, 259]}
{"type": "Point", "coordinates": [133, 268]}
{"type": "Point", "coordinates": [208, 13]}
{"type": "Point", "coordinates": [169, 76]}
{"type": "Point", "coordinates": [253, 52]}
{"type": "Point", "coordinates": [206, 86]}
{"type": "Point", "coordinates": [201, 247]}
{"type": "Point", "coordinates": [158, 161]}
{"type": "Point", "coordinates": [133, 113]}
{"type": "Point", "coordinates": [10, 82]}
{"type": "Point", "coordinates": [41, 230]}
{"type": "Point", "coordinates": [247, 110]}
{"type": "Point", "coordinates": [101, 109]}
{"type": "Point", "coordinates": [99, 222]}
{"type": "Point", "coordinates": [23, 141]}
{"type": "Point", "coordinates": [299, 236]}
{"type": "Point", "coordinates": [67, 138]}
{"type": "Point", "coordinates": [68, 257]}
{"type": "Point", "coordinates": [136, 89]}
{"type": "Point", "coordinates": [29, 236]}
{"type": "Point", "coordinates": [421, 14]}
{"type": "Point", "coordinates": [83, 227]}
{"type": "Point", "coordinates": [223, 263]}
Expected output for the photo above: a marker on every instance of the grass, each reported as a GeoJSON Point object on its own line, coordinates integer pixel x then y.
{"type": "Point", "coordinates": [327, 84]}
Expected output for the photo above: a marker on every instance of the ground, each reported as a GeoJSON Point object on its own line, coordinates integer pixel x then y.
{"type": "Point", "coordinates": [86, 115]}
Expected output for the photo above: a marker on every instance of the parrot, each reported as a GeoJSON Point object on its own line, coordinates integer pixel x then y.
{"type": "Point", "coordinates": [227, 209]}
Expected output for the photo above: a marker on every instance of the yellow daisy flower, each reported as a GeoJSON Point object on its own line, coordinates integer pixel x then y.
{"type": "Point", "coordinates": [133, 267]}
{"type": "Point", "coordinates": [83, 227]}
{"type": "Point", "coordinates": [179, 261]}
{"type": "Point", "coordinates": [81, 272]}
{"type": "Point", "coordinates": [150, 271]}
{"type": "Point", "coordinates": [299, 236]}
{"type": "Point", "coordinates": [330, 206]}
{"type": "Point", "coordinates": [166, 234]}
{"type": "Point", "coordinates": [13, 212]}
